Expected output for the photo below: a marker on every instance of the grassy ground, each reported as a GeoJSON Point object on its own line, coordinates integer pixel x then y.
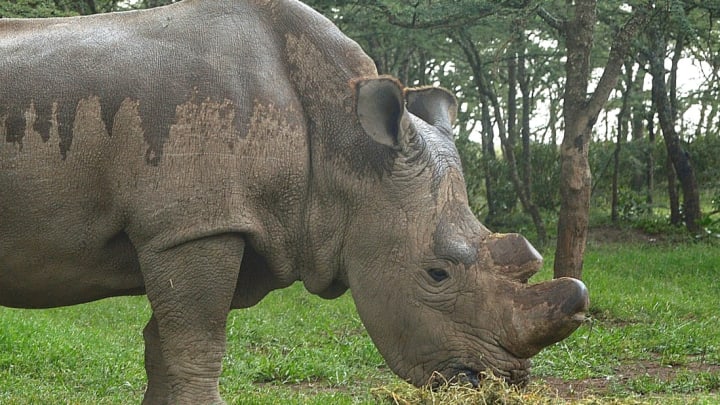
{"type": "Point", "coordinates": [654, 337]}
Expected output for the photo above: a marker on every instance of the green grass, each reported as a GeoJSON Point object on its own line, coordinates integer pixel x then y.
{"type": "Point", "coordinates": [652, 307]}
{"type": "Point", "coordinates": [654, 336]}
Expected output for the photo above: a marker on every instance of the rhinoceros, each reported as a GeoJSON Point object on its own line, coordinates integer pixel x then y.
{"type": "Point", "coordinates": [208, 152]}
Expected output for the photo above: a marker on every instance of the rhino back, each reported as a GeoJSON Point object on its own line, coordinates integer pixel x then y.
{"type": "Point", "coordinates": [136, 128]}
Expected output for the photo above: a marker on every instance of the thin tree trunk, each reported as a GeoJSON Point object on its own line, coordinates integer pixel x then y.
{"type": "Point", "coordinates": [553, 120]}
{"type": "Point", "coordinates": [638, 108]}
{"type": "Point", "coordinates": [488, 155]}
{"type": "Point", "coordinates": [91, 6]}
{"type": "Point", "coordinates": [701, 118]}
{"type": "Point", "coordinates": [488, 99]}
{"type": "Point", "coordinates": [650, 159]}
{"type": "Point", "coordinates": [676, 154]}
{"type": "Point", "coordinates": [622, 132]}
{"type": "Point", "coordinates": [638, 111]}
{"type": "Point", "coordinates": [614, 214]}
{"type": "Point", "coordinates": [673, 196]}
{"type": "Point", "coordinates": [526, 164]}
{"type": "Point", "coordinates": [509, 142]}
{"type": "Point", "coordinates": [711, 123]}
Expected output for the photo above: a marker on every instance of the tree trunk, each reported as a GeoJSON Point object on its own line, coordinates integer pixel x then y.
{"type": "Point", "coordinates": [156, 3]}
{"type": "Point", "coordinates": [676, 154]}
{"type": "Point", "coordinates": [675, 215]}
{"type": "Point", "coordinates": [622, 133]}
{"type": "Point", "coordinates": [554, 112]}
{"type": "Point", "coordinates": [522, 189]}
{"type": "Point", "coordinates": [650, 159]}
{"type": "Point", "coordinates": [638, 108]}
{"type": "Point", "coordinates": [526, 163]}
{"type": "Point", "coordinates": [711, 125]}
{"type": "Point", "coordinates": [488, 155]}
{"type": "Point", "coordinates": [488, 99]}
{"type": "Point", "coordinates": [580, 114]}
{"type": "Point", "coordinates": [639, 111]}
{"type": "Point", "coordinates": [91, 6]}
{"type": "Point", "coordinates": [575, 177]}
{"type": "Point", "coordinates": [614, 214]}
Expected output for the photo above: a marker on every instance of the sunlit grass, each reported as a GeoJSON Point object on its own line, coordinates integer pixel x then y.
{"type": "Point", "coordinates": [649, 303]}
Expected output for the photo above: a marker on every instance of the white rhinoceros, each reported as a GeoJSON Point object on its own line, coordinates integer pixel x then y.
{"type": "Point", "coordinates": [208, 152]}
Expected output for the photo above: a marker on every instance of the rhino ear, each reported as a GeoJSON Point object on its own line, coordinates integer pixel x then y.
{"type": "Point", "coordinates": [380, 108]}
{"type": "Point", "coordinates": [434, 105]}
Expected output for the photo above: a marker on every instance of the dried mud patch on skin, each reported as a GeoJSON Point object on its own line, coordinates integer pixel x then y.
{"type": "Point", "coordinates": [603, 386]}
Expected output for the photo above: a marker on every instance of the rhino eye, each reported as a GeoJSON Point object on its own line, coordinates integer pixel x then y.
{"type": "Point", "coordinates": [438, 274]}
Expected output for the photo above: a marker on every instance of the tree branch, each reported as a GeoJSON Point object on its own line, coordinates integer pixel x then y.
{"type": "Point", "coordinates": [551, 20]}
{"type": "Point", "coordinates": [618, 52]}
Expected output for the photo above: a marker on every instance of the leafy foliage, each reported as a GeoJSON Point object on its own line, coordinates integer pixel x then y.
{"type": "Point", "coordinates": [31, 8]}
{"type": "Point", "coordinates": [64, 8]}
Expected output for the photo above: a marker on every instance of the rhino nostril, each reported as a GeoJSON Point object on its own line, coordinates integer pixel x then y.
{"type": "Point", "coordinates": [469, 377]}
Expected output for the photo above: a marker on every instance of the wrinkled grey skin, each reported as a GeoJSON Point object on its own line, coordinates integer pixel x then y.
{"type": "Point", "coordinates": [208, 152]}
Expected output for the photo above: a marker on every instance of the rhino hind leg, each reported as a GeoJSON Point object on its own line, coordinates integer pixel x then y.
{"type": "Point", "coordinates": [190, 288]}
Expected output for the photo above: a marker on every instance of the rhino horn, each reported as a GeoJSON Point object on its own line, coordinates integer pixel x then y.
{"type": "Point", "coordinates": [546, 313]}
{"type": "Point", "coordinates": [514, 256]}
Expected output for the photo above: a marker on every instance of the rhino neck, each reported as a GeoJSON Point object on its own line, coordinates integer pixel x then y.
{"type": "Point", "coordinates": [321, 61]}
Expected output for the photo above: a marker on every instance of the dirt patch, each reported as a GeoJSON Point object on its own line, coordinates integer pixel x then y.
{"type": "Point", "coordinates": [589, 387]}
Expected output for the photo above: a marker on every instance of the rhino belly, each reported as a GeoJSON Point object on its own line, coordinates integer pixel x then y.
{"type": "Point", "coordinates": [42, 273]}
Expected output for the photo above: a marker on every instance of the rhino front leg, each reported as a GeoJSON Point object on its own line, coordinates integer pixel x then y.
{"type": "Point", "coordinates": [190, 288]}
{"type": "Point", "coordinates": [157, 392]}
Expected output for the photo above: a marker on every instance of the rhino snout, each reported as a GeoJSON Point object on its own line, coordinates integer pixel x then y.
{"type": "Point", "coordinates": [546, 313]}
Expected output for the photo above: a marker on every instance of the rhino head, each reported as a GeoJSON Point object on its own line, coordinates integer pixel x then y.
{"type": "Point", "coordinates": [440, 295]}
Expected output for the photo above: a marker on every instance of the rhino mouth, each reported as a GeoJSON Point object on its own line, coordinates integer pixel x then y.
{"type": "Point", "coordinates": [517, 375]}
{"type": "Point", "coordinates": [511, 368]}
{"type": "Point", "coordinates": [475, 375]}
{"type": "Point", "coordinates": [456, 375]}
{"type": "Point", "coordinates": [469, 376]}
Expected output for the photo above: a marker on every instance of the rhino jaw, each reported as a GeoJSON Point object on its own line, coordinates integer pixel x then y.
{"type": "Point", "coordinates": [547, 313]}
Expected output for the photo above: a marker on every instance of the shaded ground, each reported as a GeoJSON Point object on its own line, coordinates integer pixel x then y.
{"type": "Point", "coordinates": [613, 234]}
{"type": "Point", "coordinates": [598, 387]}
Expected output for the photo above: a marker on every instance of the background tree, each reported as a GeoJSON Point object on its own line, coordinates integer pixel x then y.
{"type": "Point", "coordinates": [580, 113]}
{"type": "Point", "coordinates": [665, 103]}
